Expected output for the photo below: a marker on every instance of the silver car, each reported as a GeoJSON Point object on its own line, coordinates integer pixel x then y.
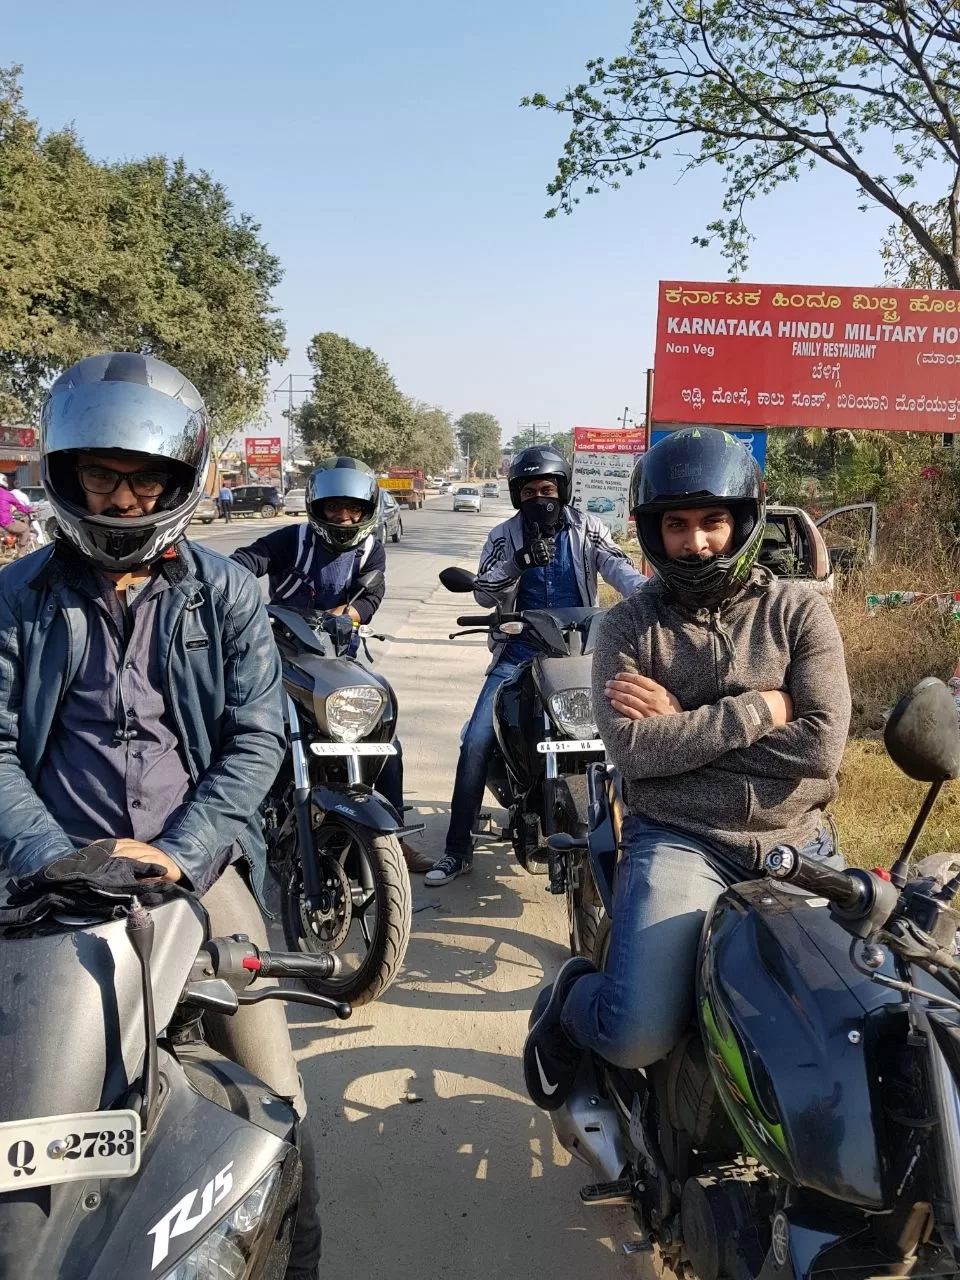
{"type": "Point", "coordinates": [295, 502]}
{"type": "Point", "coordinates": [467, 498]}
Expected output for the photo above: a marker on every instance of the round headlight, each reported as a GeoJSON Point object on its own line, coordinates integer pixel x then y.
{"type": "Point", "coordinates": [572, 713]}
{"type": "Point", "coordinates": [353, 712]}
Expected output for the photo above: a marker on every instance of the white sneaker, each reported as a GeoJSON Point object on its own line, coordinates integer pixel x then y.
{"type": "Point", "coordinates": [448, 868]}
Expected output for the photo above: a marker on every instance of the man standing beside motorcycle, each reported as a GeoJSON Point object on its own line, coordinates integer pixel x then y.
{"type": "Point", "coordinates": [140, 699]}
{"type": "Point", "coordinates": [547, 556]}
{"type": "Point", "coordinates": [721, 696]}
{"type": "Point", "coordinates": [316, 567]}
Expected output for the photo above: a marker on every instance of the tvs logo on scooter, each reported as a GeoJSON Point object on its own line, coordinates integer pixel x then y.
{"type": "Point", "coordinates": [181, 1219]}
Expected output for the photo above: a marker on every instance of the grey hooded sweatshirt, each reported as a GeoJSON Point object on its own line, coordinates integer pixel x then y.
{"type": "Point", "coordinates": [719, 769]}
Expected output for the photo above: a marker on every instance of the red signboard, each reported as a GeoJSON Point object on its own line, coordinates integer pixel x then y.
{"type": "Point", "coordinates": [263, 451]}
{"type": "Point", "coordinates": [18, 437]}
{"type": "Point", "coordinates": [608, 440]}
{"type": "Point", "coordinates": [766, 355]}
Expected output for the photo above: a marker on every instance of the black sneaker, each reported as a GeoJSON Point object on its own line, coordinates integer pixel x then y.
{"type": "Point", "coordinates": [550, 1058]}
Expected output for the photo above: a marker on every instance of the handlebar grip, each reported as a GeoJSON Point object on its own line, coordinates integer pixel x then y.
{"type": "Point", "coordinates": [846, 889]}
{"type": "Point", "coordinates": [295, 964]}
{"type": "Point", "coordinates": [477, 620]}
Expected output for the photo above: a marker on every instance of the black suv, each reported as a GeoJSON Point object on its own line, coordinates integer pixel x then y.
{"type": "Point", "coordinates": [257, 499]}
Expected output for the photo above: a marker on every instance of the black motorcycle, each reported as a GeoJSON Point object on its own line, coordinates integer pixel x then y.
{"type": "Point", "coordinates": [546, 740]}
{"type": "Point", "coordinates": [809, 1123]}
{"type": "Point", "coordinates": [128, 1146]}
{"type": "Point", "coordinates": [332, 838]}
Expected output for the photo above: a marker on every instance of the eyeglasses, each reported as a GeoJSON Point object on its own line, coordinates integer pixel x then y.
{"type": "Point", "coordinates": [104, 480]}
{"type": "Point", "coordinates": [342, 507]}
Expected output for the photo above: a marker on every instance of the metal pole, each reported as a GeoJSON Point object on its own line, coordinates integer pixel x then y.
{"type": "Point", "coordinates": [648, 414]}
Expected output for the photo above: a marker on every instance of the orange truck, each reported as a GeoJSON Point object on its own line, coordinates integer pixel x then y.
{"type": "Point", "coordinates": [406, 485]}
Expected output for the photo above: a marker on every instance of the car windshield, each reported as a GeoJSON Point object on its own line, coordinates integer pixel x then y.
{"type": "Point", "coordinates": [468, 493]}
{"type": "Point", "coordinates": [296, 493]}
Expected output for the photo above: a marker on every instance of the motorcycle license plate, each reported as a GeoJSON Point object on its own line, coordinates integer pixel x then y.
{"type": "Point", "coordinates": [353, 748]}
{"type": "Point", "coordinates": [583, 744]}
{"type": "Point", "coordinates": [89, 1144]}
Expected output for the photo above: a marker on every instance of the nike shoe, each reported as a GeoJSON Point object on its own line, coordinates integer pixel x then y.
{"type": "Point", "coordinates": [550, 1058]}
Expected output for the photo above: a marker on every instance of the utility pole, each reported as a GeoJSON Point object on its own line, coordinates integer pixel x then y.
{"type": "Point", "coordinates": [623, 419]}
{"type": "Point", "coordinates": [534, 427]}
{"type": "Point", "coordinates": [288, 385]}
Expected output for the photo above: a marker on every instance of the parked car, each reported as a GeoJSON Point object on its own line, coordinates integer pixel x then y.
{"type": "Point", "coordinates": [295, 502]}
{"type": "Point", "coordinates": [468, 498]}
{"type": "Point", "coordinates": [446, 486]}
{"type": "Point", "coordinates": [257, 499]}
{"type": "Point", "coordinates": [390, 524]}
{"type": "Point", "coordinates": [600, 505]}
{"type": "Point", "coordinates": [795, 545]}
{"type": "Point", "coordinates": [491, 489]}
{"type": "Point", "coordinates": [206, 510]}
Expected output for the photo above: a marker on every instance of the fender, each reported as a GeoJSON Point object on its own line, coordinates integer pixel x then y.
{"type": "Point", "coordinates": [363, 806]}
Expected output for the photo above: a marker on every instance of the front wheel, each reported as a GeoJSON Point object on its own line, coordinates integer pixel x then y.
{"type": "Point", "coordinates": [268, 511]}
{"type": "Point", "coordinates": [587, 920]}
{"type": "Point", "coordinates": [365, 910]}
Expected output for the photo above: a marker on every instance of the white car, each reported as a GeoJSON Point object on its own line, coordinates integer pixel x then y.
{"type": "Point", "coordinates": [295, 502]}
{"type": "Point", "coordinates": [467, 498]}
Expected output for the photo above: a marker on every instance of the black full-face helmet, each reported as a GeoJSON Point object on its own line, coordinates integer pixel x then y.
{"type": "Point", "coordinates": [539, 462]}
{"type": "Point", "coordinates": [348, 479]}
{"type": "Point", "coordinates": [124, 405]}
{"type": "Point", "coordinates": [699, 467]}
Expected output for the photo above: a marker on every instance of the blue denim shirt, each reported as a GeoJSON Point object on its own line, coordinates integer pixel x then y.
{"type": "Point", "coordinates": [550, 586]}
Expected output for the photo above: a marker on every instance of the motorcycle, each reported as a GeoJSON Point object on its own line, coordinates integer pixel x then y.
{"type": "Point", "coordinates": [332, 839]}
{"type": "Point", "coordinates": [809, 1123]}
{"type": "Point", "coordinates": [546, 742]}
{"type": "Point", "coordinates": [128, 1146]}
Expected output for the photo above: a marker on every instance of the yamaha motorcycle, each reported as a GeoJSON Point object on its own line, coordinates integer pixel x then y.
{"type": "Point", "coordinates": [128, 1146]}
{"type": "Point", "coordinates": [333, 839]}
{"type": "Point", "coordinates": [809, 1123]}
{"type": "Point", "coordinates": [546, 741]}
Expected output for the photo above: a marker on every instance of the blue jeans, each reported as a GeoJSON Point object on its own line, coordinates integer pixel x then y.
{"type": "Point", "coordinates": [634, 1012]}
{"type": "Point", "coordinates": [476, 749]}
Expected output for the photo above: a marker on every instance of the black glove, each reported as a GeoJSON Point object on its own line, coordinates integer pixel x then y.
{"type": "Point", "coordinates": [534, 554]}
{"type": "Point", "coordinates": [88, 881]}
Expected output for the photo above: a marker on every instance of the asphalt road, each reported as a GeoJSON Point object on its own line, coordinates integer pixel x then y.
{"type": "Point", "coordinates": [433, 1161]}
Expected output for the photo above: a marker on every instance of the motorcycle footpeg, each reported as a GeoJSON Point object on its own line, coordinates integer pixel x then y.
{"type": "Point", "coordinates": [607, 1193]}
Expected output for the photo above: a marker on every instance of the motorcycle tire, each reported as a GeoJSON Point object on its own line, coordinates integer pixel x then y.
{"type": "Point", "coordinates": [586, 916]}
{"type": "Point", "coordinates": [391, 895]}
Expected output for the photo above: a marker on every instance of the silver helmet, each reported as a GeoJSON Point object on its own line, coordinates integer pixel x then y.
{"type": "Point", "coordinates": [123, 404]}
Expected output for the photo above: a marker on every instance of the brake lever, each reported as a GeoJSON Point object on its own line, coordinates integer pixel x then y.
{"type": "Point", "coordinates": [471, 631]}
{"type": "Point", "coordinates": [341, 1008]}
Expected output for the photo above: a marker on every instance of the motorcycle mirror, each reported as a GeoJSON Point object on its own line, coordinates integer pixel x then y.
{"type": "Point", "coordinates": [455, 579]}
{"type": "Point", "coordinates": [922, 734]}
{"type": "Point", "coordinates": [372, 578]}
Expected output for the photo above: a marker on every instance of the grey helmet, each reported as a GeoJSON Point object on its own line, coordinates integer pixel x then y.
{"type": "Point", "coordinates": [342, 478]}
{"type": "Point", "coordinates": [123, 403]}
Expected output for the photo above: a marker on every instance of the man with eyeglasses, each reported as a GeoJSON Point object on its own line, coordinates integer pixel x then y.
{"type": "Point", "coordinates": [140, 696]}
{"type": "Point", "coordinates": [317, 566]}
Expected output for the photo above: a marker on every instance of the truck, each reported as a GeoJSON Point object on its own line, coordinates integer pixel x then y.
{"type": "Point", "coordinates": [406, 485]}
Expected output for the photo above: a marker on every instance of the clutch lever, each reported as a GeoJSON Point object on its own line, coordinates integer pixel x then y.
{"type": "Point", "coordinates": [471, 631]}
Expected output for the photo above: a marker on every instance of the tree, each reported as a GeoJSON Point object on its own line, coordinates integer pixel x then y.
{"type": "Point", "coordinates": [561, 440]}
{"type": "Point", "coordinates": [431, 445]}
{"type": "Point", "coordinates": [905, 262]}
{"type": "Point", "coordinates": [141, 256]}
{"type": "Point", "coordinates": [355, 407]}
{"type": "Point", "coordinates": [479, 437]}
{"type": "Point", "coordinates": [767, 89]}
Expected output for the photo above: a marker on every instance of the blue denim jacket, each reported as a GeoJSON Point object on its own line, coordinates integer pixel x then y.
{"type": "Point", "coordinates": [221, 683]}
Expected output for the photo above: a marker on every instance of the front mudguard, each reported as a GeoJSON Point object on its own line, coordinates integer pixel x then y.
{"type": "Point", "coordinates": [362, 805]}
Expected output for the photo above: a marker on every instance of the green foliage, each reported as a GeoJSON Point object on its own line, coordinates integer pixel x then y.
{"type": "Point", "coordinates": [561, 440]}
{"type": "Point", "coordinates": [356, 408]}
{"type": "Point", "coordinates": [479, 438]}
{"type": "Point", "coordinates": [142, 255]}
{"type": "Point", "coordinates": [905, 263]}
{"type": "Point", "coordinates": [431, 445]}
{"type": "Point", "coordinates": [767, 89]}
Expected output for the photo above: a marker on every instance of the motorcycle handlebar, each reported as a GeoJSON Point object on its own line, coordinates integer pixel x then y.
{"type": "Point", "coordinates": [847, 890]}
{"type": "Point", "coordinates": [295, 964]}
{"type": "Point", "coordinates": [479, 620]}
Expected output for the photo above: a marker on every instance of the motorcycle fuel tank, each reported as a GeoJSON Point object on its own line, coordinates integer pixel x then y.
{"type": "Point", "coordinates": [786, 1020]}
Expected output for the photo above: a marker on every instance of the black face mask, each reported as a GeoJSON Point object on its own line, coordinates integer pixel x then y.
{"type": "Point", "coordinates": [542, 512]}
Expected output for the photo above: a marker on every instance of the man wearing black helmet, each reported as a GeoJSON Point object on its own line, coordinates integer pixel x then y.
{"type": "Point", "coordinates": [546, 556]}
{"type": "Point", "coordinates": [140, 686]}
{"type": "Point", "coordinates": [317, 566]}
{"type": "Point", "coordinates": [721, 695]}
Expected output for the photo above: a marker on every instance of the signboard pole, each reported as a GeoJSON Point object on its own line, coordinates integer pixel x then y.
{"type": "Point", "coordinates": [648, 412]}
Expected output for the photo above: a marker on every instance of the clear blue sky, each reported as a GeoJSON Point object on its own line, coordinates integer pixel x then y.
{"type": "Point", "coordinates": [381, 147]}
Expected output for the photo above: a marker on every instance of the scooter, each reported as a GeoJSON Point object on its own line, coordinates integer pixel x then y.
{"type": "Point", "coordinates": [332, 838]}
{"type": "Point", "coordinates": [546, 741]}
{"type": "Point", "coordinates": [128, 1147]}
{"type": "Point", "coordinates": [809, 1122]}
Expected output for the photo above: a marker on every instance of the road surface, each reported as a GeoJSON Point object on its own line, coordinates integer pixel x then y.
{"type": "Point", "coordinates": [434, 1162]}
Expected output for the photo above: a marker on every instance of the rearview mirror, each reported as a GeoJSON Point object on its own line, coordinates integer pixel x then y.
{"type": "Point", "coordinates": [455, 579]}
{"type": "Point", "coordinates": [922, 735]}
{"type": "Point", "coordinates": [372, 578]}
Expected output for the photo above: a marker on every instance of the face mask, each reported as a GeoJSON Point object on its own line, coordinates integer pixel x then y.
{"type": "Point", "coordinates": [543, 512]}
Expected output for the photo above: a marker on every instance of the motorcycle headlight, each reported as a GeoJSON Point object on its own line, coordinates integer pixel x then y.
{"type": "Point", "coordinates": [572, 712]}
{"type": "Point", "coordinates": [226, 1252]}
{"type": "Point", "coordinates": [353, 712]}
